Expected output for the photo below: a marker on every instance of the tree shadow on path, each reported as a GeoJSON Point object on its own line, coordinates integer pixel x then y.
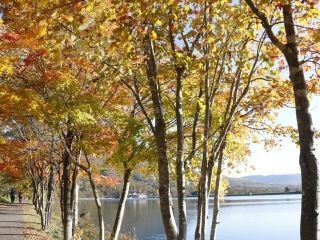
{"type": "Point", "coordinates": [12, 224]}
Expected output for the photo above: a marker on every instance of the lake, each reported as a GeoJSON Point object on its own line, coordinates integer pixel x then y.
{"type": "Point", "coordinates": [262, 217]}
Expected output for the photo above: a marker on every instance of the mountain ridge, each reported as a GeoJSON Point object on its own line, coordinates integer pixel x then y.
{"type": "Point", "coordinates": [264, 184]}
{"type": "Point", "coordinates": [289, 179]}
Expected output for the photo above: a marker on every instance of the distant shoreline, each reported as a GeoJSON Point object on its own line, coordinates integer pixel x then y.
{"type": "Point", "coordinates": [194, 197]}
{"type": "Point", "coordinates": [259, 194]}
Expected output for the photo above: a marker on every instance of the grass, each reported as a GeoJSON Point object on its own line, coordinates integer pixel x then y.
{"type": "Point", "coordinates": [122, 236]}
{"type": "Point", "coordinates": [33, 229]}
{"type": "Point", "coordinates": [4, 199]}
{"type": "Point", "coordinates": [33, 226]}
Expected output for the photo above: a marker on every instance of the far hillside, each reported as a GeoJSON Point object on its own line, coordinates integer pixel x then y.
{"type": "Point", "coordinates": [290, 179]}
{"type": "Point", "coordinates": [265, 184]}
{"type": "Point", "coordinates": [148, 185]}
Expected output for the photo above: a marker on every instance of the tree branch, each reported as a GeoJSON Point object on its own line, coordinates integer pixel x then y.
{"type": "Point", "coordinates": [265, 23]}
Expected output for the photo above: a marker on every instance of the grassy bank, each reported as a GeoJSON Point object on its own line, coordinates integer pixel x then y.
{"type": "Point", "coordinates": [4, 199]}
{"type": "Point", "coordinates": [86, 230]}
{"type": "Point", "coordinates": [32, 222]}
{"type": "Point", "coordinates": [33, 226]}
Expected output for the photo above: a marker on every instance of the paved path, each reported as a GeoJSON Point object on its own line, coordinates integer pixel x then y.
{"type": "Point", "coordinates": [11, 222]}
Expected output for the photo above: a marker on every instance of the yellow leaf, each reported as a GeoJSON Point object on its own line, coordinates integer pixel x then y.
{"type": "Point", "coordinates": [6, 66]}
{"type": "Point", "coordinates": [2, 140]}
{"type": "Point", "coordinates": [89, 7]}
{"type": "Point", "coordinates": [175, 17]}
{"type": "Point", "coordinates": [210, 27]}
{"type": "Point", "coordinates": [42, 29]}
{"type": "Point", "coordinates": [158, 23]}
{"type": "Point", "coordinates": [153, 35]}
{"type": "Point", "coordinates": [69, 18]}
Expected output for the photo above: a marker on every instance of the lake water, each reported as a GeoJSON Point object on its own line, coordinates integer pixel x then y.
{"type": "Point", "coordinates": [270, 217]}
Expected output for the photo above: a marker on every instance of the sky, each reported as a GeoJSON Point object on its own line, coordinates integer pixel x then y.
{"type": "Point", "coordinates": [286, 159]}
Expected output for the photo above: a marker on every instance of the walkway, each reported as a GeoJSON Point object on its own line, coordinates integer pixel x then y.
{"type": "Point", "coordinates": [11, 222]}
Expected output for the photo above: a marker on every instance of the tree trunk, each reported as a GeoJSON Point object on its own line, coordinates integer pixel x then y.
{"type": "Point", "coordinates": [75, 206]}
{"type": "Point", "coordinates": [61, 199]}
{"type": "Point", "coordinates": [181, 180]}
{"type": "Point", "coordinates": [75, 192]}
{"type": "Point", "coordinates": [50, 195]}
{"type": "Point", "coordinates": [180, 166]}
{"type": "Point", "coordinates": [88, 170]}
{"type": "Point", "coordinates": [202, 189]}
{"type": "Point", "coordinates": [98, 205]}
{"type": "Point", "coordinates": [35, 185]}
{"type": "Point", "coordinates": [34, 196]}
{"type": "Point", "coordinates": [42, 201]}
{"type": "Point", "coordinates": [308, 162]}
{"type": "Point", "coordinates": [216, 202]}
{"type": "Point", "coordinates": [161, 144]}
{"type": "Point", "coordinates": [67, 201]}
{"type": "Point", "coordinates": [121, 206]}
{"type": "Point", "coordinates": [203, 183]}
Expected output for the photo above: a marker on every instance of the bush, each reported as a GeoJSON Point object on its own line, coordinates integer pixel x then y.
{"type": "Point", "coordinates": [85, 230]}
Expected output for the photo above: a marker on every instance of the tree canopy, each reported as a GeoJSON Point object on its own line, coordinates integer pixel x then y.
{"type": "Point", "coordinates": [180, 87]}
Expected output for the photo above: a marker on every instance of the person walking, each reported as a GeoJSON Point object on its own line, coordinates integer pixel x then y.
{"type": "Point", "coordinates": [13, 194]}
{"type": "Point", "coordinates": [20, 196]}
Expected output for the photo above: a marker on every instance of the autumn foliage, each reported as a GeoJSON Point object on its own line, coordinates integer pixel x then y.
{"type": "Point", "coordinates": [171, 87]}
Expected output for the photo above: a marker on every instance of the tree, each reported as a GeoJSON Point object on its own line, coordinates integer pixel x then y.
{"type": "Point", "coordinates": [308, 162]}
{"type": "Point", "coordinates": [134, 149]}
{"type": "Point", "coordinates": [225, 90]}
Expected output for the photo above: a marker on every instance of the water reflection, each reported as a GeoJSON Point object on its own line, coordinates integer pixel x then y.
{"type": "Point", "coordinates": [241, 218]}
